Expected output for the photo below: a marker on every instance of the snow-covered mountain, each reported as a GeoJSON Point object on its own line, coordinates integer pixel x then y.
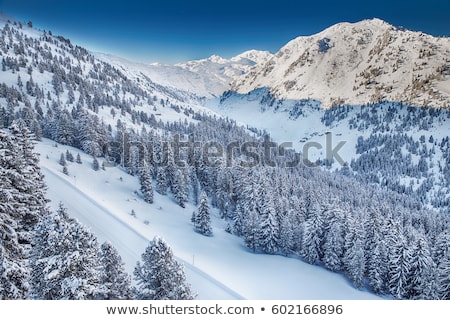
{"type": "Point", "coordinates": [217, 267]}
{"type": "Point", "coordinates": [348, 63]}
{"type": "Point", "coordinates": [62, 92]}
{"type": "Point", "coordinates": [357, 63]}
{"type": "Point", "coordinates": [208, 77]}
{"type": "Point", "coordinates": [43, 71]}
{"type": "Point", "coordinates": [126, 117]}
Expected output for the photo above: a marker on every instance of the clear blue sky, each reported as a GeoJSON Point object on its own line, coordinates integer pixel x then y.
{"type": "Point", "coordinates": [177, 30]}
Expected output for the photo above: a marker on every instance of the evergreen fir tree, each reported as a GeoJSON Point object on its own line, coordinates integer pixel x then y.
{"type": "Point", "coordinates": [443, 278]}
{"type": "Point", "coordinates": [180, 188]}
{"type": "Point", "coordinates": [268, 230]}
{"type": "Point", "coordinates": [312, 235]}
{"type": "Point", "coordinates": [195, 186]}
{"type": "Point", "coordinates": [377, 263]}
{"type": "Point", "coordinates": [423, 269]}
{"type": "Point", "coordinates": [399, 263]}
{"type": "Point", "coordinates": [62, 160]}
{"type": "Point", "coordinates": [146, 184]}
{"type": "Point", "coordinates": [238, 220]}
{"type": "Point", "coordinates": [251, 230]}
{"type": "Point", "coordinates": [170, 168]}
{"type": "Point", "coordinates": [79, 159]}
{"type": "Point", "coordinates": [203, 219]}
{"type": "Point", "coordinates": [333, 242]}
{"type": "Point", "coordinates": [64, 260]}
{"type": "Point", "coordinates": [161, 182]}
{"type": "Point", "coordinates": [441, 246]}
{"type": "Point", "coordinates": [354, 262]}
{"type": "Point", "coordinates": [32, 186]}
{"type": "Point", "coordinates": [22, 204]}
{"type": "Point", "coordinates": [159, 276]}
{"type": "Point", "coordinates": [114, 279]}
{"type": "Point", "coordinates": [133, 162]}
{"type": "Point", "coordinates": [286, 237]}
{"type": "Point", "coordinates": [95, 164]}
{"type": "Point", "coordinates": [69, 156]}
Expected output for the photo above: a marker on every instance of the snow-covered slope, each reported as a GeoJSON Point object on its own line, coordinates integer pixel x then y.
{"type": "Point", "coordinates": [75, 97]}
{"type": "Point", "coordinates": [43, 70]}
{"type": "Point", "coordinates": [382, 125]}
{"type": "Point", "coordinates": [206, 77]}
{"type": "Point", "coordinates": [220, 267]}
{"type": "Point", "coordinates": [358, 63]}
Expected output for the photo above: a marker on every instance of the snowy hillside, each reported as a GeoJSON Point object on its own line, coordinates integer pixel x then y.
{"type": "Point", "coordinates": [219, 267]}
{"type": "Point", "coordinates": [206, 77]}
{"type": "Point", "coordinates": [153, 155]}
{"type": "Point", "coordinates": [366, 133]}
{"type": "Point", "coordinates": [358, 63]}
{"type": "Point", "coordinates": [51, 67]}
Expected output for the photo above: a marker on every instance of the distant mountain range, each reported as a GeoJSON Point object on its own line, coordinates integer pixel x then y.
{"type": "Point", "coordinates": [208, 77]}
{"type": "Point", "coordinates": [348, 63]}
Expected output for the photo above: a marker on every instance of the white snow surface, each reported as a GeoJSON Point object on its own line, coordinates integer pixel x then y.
{"type": "Point", "coordinates": [247, 110]}
{"type": "Point", "coordinates": [208, 77]}
{"type": "Point", "coordinates": [218, 267]}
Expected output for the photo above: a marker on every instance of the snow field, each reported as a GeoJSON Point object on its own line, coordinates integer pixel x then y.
{"type": "Point", "coordinates": [218, 267]}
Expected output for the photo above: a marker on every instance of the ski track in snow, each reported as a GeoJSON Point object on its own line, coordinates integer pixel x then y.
{"type": "Point", "coordinates": [222, 268]}
{"type": "Point", "coordinates": [80, 200]}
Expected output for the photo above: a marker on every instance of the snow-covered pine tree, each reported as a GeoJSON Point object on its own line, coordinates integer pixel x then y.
{"type": "Point", "coordinates": [146, 184]}
{"type": "Point", "coordinates": [297, 211]}
{"type": "Point", "coordinates": [286, 234]}
{"type": "Point", "coordinates": [377, 265]}
{"type": "Point", "coordinates": [333, 243]}
{"type": "Point", "coordinates": [64, 260]}
{"type": "Point", "coordinates": [195, 186]}
{"type": "Point", "coordinates": [312, 233]}
{"type": "Point", "coordinates": [89, 135]}
{"type": "Point", "coordinates": [246, 218]}
{"type": "Point", "coordinates": [62, 160]}
{"type": "Point", "coordinates": [161, 181]}
{"type": "Point", "coordinates": [69, 156]}
{"type": "Point", "coordinates": [179, 187]}
{"type": "Point", "coordinates": [116, 282]}
{"type": "Point", "coordinates": [31, 187]}
{"type": "Point", "coordinates": [238, 220]}
{"type": "Point", "coordinates": [79, 159]}
{"type": "Point", "coordinates": [95, 164]}
{"type": "Point", "coordinates": [441, 246]}
{"type": "Point", "coordinates": [443, 278]}
{"type": "Point", "coordinates": [133, 161]}
{"type": "Point", "coordinates": [22, 204]}
{"type": "Point", "coordinates": [399, 269]}
{"type": "Point", "coordinates": [159, 275]}
{"type": "Point", "coordinates": [64, 130]}
{"type": "Point", "coordinates": [423, 269]}
{"type": "Point", "coordinates": [354, 263]}
{"type": "Point", "coordinates": [268, 230]}
{"type": "Point", "coordinates": [203, 219]}
{"type": "Point", "coordinates": [251, 230]}
{"type": "Point", "coordinates": [13, 272]}
{"type": "Point", "coordinates": [170, 168]}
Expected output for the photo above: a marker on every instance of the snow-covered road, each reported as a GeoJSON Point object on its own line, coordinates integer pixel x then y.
{"type": "Point", "coordinates": [129, 242]}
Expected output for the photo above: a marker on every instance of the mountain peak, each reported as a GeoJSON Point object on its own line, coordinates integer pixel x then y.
{"type": "Point", "coordinates": [357, 63]}
{"type": "Point", "coordinates": [256, 56]}
{"type": "Point", "coordinates": [217, 59]}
